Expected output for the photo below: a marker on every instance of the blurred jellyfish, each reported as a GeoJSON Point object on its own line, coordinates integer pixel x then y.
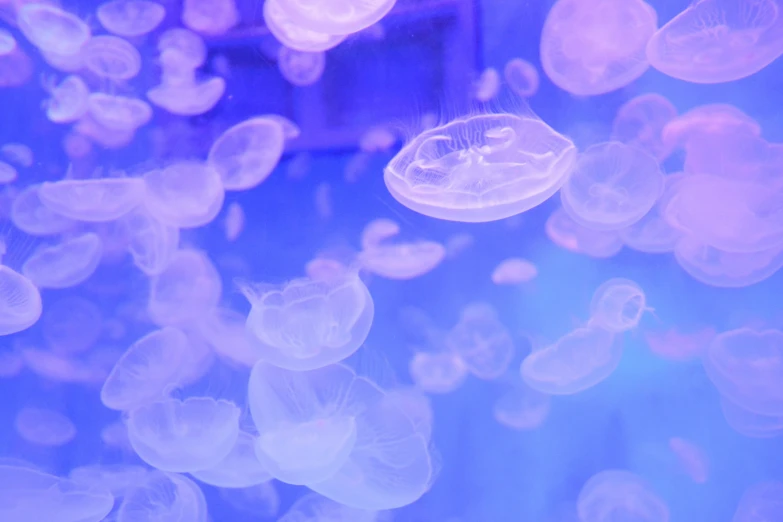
{"type": "Point", "coordinates": [186, 194]}
{"type": "Point", "coordinates": [480, 168]}
{"type": "Point", "coordinates": [337, 17]}
{"type": "Point", "coordinates": [111, 57]}
{"type": "Point", "coordinates": [513, 271]}
{"type": "Point", "coordinates": [151, 243]}
{"type": "Point", "coordinates": [481, 341]}
{"type": "Point", "coordinates": [567, 233]}
{"type": "Point", "coordinates": [44, 427]}
{"type": "Point", "coordinates": [749, 423]}
{"type": "Point", "coordinates": [66, 264]}
{"type": "Point", "coordinates": [301, 68]}
{"type": "Point", "coordinates": [164, 496]}
{"type": "Point", "coordinates": [437, 372]}
{"type": "Point", "coordinates": [617, 305]}
{"type": "Point", "coordinates": [16, 68]}
{"type": "Point", "coordinates": [292, 35]}
{"type": "Point", "coordinates": [239, 469]}
{"type": "Point", "coordinates": [189, 98]}
{"type": "Point", "coordinates": [487, 86]}
{"type": "Point", "coordinates": [7, 173]}
{"type": "Point", "coordinates": [377, 139]}
{"type": "Point", "coordinates": [185, 48]}
{"type": "Point", "coordinates": [521, 77]}
{"type": "Point", "coordinates": [71, 325]}
{"type": "Point", "coordinates": [691, 458]}
{"type": "Point", "coordinates": [29, 214]}
{"type": "Point", "coordinates": [7, 42]}
{"type": "Point", "coordinates": [211, 17]}
{"type": "Point", "coordinates": [20, 302]}
{"type": "Point", "coordinates": [640, 122]}
{"type": "Point", "coordinates": [118, 479]}
{"type": "Point", "coordinates": [397, 260]}
{"type": "Point", "coordinates": [130, 18]}
{"type": "Point", "coordinates": [18, 154]}
{"type": "Point", "coordinates": [522, 408]}
{"type": "Point", "coordinates": [619, 495]}
{"type": "Point", "coordinates": [677, 346]}
{"type": "Point", "coordinates": [68, 100]}
{"type": "Point", "coordinates": [315, 508]}
{"type": "Point", "coordinates": [119, 113]}
{"type": "Point", "coordinates": [92, 200]}
{"type": "Point", "coordinates": [760, 502]}
{"type": "Point", "coordinates": [234, 221]}
{"type": "Point", "coordinates": [51, 29]}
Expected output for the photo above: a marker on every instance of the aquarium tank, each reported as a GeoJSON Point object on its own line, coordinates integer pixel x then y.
{"type": "Point", "coordinates": [391, 260]}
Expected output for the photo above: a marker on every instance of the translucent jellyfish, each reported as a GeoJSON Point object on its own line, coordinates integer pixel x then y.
{"type": "Point", "coordinates": [617, 305]}
{"type": "Point", "coordinates": [239, 469]}
{"type": "Point", "coordinates": [746, 366]}
{"type": "Point", "coordinates": [593, 47]}
{"type": "Point", "coordinates": [164, 497]}
{"type": "Point", "coordinates": [71, 325]}
{"type": "Point", "coordinates": [487, 86]}
{"type": "Point", "coordinates": [51, 29]}
{"type": "Point", "coordinates": [377, 139]}
{"type": "Point", "coordinates": [224, 331]}
{"type": "Point", "coordinates": [68, 100]}
{"type": "Point", "coordinates": [29, 494]}
{"type": "Point", "coordinates": [301, 68]}
{"type": "Point", "coordinates": [30, 215]}
{"type": "Point", "coordinates": [309, 322]}
{"type": "Point", "coordinates": [762, 501]}
{"type": "Point", "coordinates": [115, 436]}
{"type": "Point", "coordinates": [66, 264]}
{"type": "Point", "coordinates": [212, 17]}
{"type": "Point", "coordinates": [119, 113]}
{"type": "Point", "coordinates": [480, 168]}
{"type": "Point", "coordinates": [567, 233]}
{"type": "Point", "coordinates": [18, 153]}
{"type": "Point", "coordinates": [437, 372]}
{"type": "Point", "coordinates": [716, 267]}
{"type": "Point", "coordinates": [577, 361]}
{"type": "Point", "coordinates": [151, 243]}
{"type": "Point", "coordinates": [417, 406]}
{"type": "Point", "coordinates": [130, 18]}
{"type": "Point", "coordinates": [247, 153]}
{"type": "Point", "coordinates": [187, 289]}
{"type": "Point", "coordinates": [322, 199]}
{"type": "Point", "coordinates": [310, 421]}
{"type": "Point", "coordinates": [334, 17]}
{"type": "Point", "coordinates": [315, 508]}
{"type": "Point", "coordinates": [292, 35]}
{"type": "Point", "coordinates": [147, 370]}
{"type": "Point", "coordinates": [513, 271]}
{"type": "Point", "coordinates": [95, 200]}
{"type": "Point", "coordinates": [190, 50]}
{"type": "Point", "coordinates": [11, 364]}
{"type": "Point", "coordinates": [399, 260]}
{"type": "Point", "coordinates": [691, 459]}
{"type": "Point", "coordinates": [678, 346]}
{"type": "Point", "coordinates": [234, 222]}
{"type": "Point", "coordinates": [640, 122]}
{"type": "Point", "coordinates": [706, 121]}
{"type": "Point", "coordinates": [111, 57]}
{"type": "Point", "coordinates": [7, 42]}
{"type": "Point", "coordinates": [652, 234]}
{"type": "Point", "coordinates": [612, 186]}
{"type": "Point", "coordinates": [61, 368]}
{"type": "Point", "coordinates": [481, 341]}
{"type": "Point", "coordinates": [8, 173]}
{"type": "Point", "coordinates": [522, 77]}
{"type": "Point", "coordinates": [619, 495]}
{"type": "Point", "coordinates": [16, 68]}
{"type": "Point", "coordinates": [749, 423]}
{"type": "Point", "coordinates": [377, 230]}
{"type": "Point", "coordinates": [522, 408]}
{"type": "Point", "coordinates": [186, 194]}
{"type": "Point", "coordinates": [189, 99]}
{"type": "Point", "coordinates": [44, 427]}
{"type": "Point", "coordinates": [118, 479]}
{"type": "Point", "coordinates": [184, 436]}
{"type": "Point", "coordinates": [714, 41]}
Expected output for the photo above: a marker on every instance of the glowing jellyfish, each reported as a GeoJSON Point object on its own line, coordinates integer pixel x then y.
{"type": "Point", "coordinates": [577, 361]}
{"type": "Point", "coordinates": [514, 271]}
{"type": "Point", "coordinates": [522, 77]}
{"type": "Point", "coordinates": [187, 289]}
{"type": "Point", "coordinates": [164, 497]}
{"type": "Point", "coordinates": [186, 194]}
{"type": "Point", "coordinates": [749, 423]}
{"type": "Point", "coordinates": [51, 29]}
{"type": "Point", "coordinates": [71, 325]}
{"type": "Point", "coordinates": [292, 35]}
{"type": "Point", "coordinates": [118, 479]}
{"type": "Point", "coordinates": [66, 264]}
{"type": "Point", "coordinates": [480, 168]}
{"type": "Point", "coordinates": [522, 408]}
{"type": "Point", "coordinates": [184, 436]}
{"type": "Point", "coordinates": [337, 17]}
{"type": "Point", "coordinates": [616, 494]}
{"type": "Point", "coordinates": [760, 502]}
{"type": "Point", "coordinates": [402, 261]}
{"type": "Point", "coordinates": [437, 372]}
{"type": "Point", "coordinates": [7, 42]}
{"type": "Point", "coordinates": [18, 154]}
{"type": "Point", "coordinates": [92, 200]}
{"type": "Point", "coordinates": [234, 222]}
{"type": "Point", "coordinates": [8, 173]}
{"type": "Point", "coordinates": [315, 508]}
{"type": "Point", "coordinates": [301, 68]}
{"type": "Point", "coordinates": [151, 243]}
{"type": "Point", "coordinates": [746, 366]}
{"type": "Point", "coordinates": [189, 99]}
{"type": "Point", "coordinates": [30, 494]}
{"type": "Point", "coordinates": [612, 186]}
{"type": "Point", "coordinates": [378, 230]}
{"type": "Point", "coordinates": [189, 48]}
{"type": "Point", "coordinates": [247, 153]}
{"type": "Point", "coordinates": [111, 57]}
{"type": "Point", "coordinates": [239, 469]}
{"type": "Point", "coordinates": [592, 47]}
{"type": "Point", "coordinates": [118, 113]}
{"type": "Point", "coordinates": [677, 346]}
{"type": "Point", "coordinates": [44, 427]}
{"type": "Point", "coordinates": [377, 139]}
{"type": "Point", "coordinates": [617, 305]}
{"type": "Point", "coordinates": [211, 17]}
{"type": "Point", "coordinates": [691, 458]}
{"type": "Point", "coordinates": [130, 18]}
{"type": "Point", "coordinates": [706, 121]}
{"type": "Point", "coordinates": [147, 370]}
{"type": "Point", "coordinates": [640, 122]}
{"type": "Point", "coordinates": [16, 68]}
{"type": "Point", "coordinates": [567, 233]}
{"type": "Point", "coordinates": [310, 322]}
{"type": "Point", "coordinates": [68, 100]}
{"type": "Point", "coordinates": [20, 302]}
{"type": "Point", "coordinates": [487, 86]}
{"type": "Point", "coordinates": [714, 41]}
{"type": "Point", "coordinates": [29, 214]}
{"type": "Point", "coordinates": [481, 341]}
{"type": "Point", "coordinates": [652, 234]}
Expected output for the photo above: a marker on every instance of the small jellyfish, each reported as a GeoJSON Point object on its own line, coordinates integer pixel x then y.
{"type": "Point", "coordinates": [29, 214]}
{"type": "Point", "coordinates": [130, 18]}
{"type": "Point", "coordinates": [437, 372]}
{"type": "Point", "coordinates": [577, 361]}
{"type": "Point", "coordinates": [51, 29]}
{"type": "Point", "coordinates": [239, 469]}
{"type": "Point", "coordinates": [678, 346]}
{"type": "Point", "coordinates": [20, 302]}
{"type": "Point", "coordinates": [16, 68]}
{"type": "Point", "coordinates": [118, 479]}
{"type": "Point", "coordinates": [68, 100]}
{"type": "Point", "coordinates": [111, 57]}
{"type": "Point", "coordinates": [71, 325]}
{"type": "Point", "coordinates": [640, 122]}
{"type": "Point", "coordinates": [92, 200]}
{"type": "Point", "coordinates": [8, 173]}
{"type": "Point", "coordinates": [301, 68]}
{"type": "Point", "coordinates": [749, 423]}
{"type": "Point", "coordinates": [567, 233]}
{"type": "Point", "coordinates": [190, 49]}
{"type": "Point", "coordinates": [151, 243]}
{"type": "Point", "coordinates": [593, 47]}
{"type": "Point", "coordinates": [761, 502]}
{"type": "Point", "coordinates": [164, 496]}
{"type": "Point", "coordinates": [617, 305]}
{"type": "Point", "coordinates": [480, 168]}
{"type": "Point", "coordinates": [616, 494]}
{"type": "Point", "coordinates": [377, 139]}
{"type": "Point", "coordinates": [691, 458]}
{"type": "Point", "coordinates": [612, 186]}
{"type": "Point", "coordinates": [66, 264]}
{"type": "Point", "coordinates": [293, 36]}
{"type": "Point", "coordinates": [481, 341]}
{"type": "Point", "coordinates": [522, 408]}
{"type": "Point", "coordinates": [18, 154]}
{"type": "Point", "coordinates": [44, 427]}
{"type": "Point", "coordinates": [188, 99]}
{"type": "Point", "coordinates": [309, 322]}
{"type": "Point", "coordinates": [514, 271]}
{"type": "Point", "coordinates": [118, 113]}
{"type": "Point", "coordinates": [521, 77]}
{"type": "Point", "coordinates": [212, 17]}
{"type": "Point", "coordinates": [186, 194]}
{"type": "Point", "coordinates": [714, 41]}
{"type": "Point", "coordinates": [404, 260]}
{"type": "Point", "coordinates": [7, 42]}
{"type": "Point", "coordinates": [234, 222]}
{"type": "Point", "coordinates": [337, 17]}
{"type": "Point", "coordinates": [487, 86]}
{"type": "Point", "coordinates": [247, 153]}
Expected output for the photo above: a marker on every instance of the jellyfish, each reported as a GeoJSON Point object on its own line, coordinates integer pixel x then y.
{"type": "Point", "coordinates": [617, 305]}
{"type": "Point", "coordinates": [68, 100]}
{"type": "Point", "coordinates": [301, 68]}
{"type": "Point", "coordinates": [71, 325]}
{"type": "Point", "coordinates": [7, 43]}
{"type": "Point", "coordinates": [293, 36]}
{"type": "Point", "coordinates": [522, 77]}
{"type": "Point", "coordinates": [186, 48]}
{"type": "Point", "coordinates": [640, 122]}
{"type": "Point", "coordinates": [397, 260]}
{"type": "Point", "coordinates": [522, 408]}
{"type": "Point", "coordinates": [691, 458]}
{"type": "Point", "coordinates": [567, 233]}
{"type": "Point", "coordinates": [337, 17]}
{"type": "Point", "coordinates": [185, 194]}
{"type": "Point", "coordinates": [749, 423]}
{"type": "Point", "coordinates": [315, 508]}
{"type": "Point", "coordinates": [514, 271]}
{"type": "Point", "coordinates": [151, 243]}
{"type": "Point", "coordinates": [130, 18]}
{"type": "Point", "coordinates": [615, 494]}
{"type": "Point", "coordinates": [186, 97]}
{"type": "Point", "coordinates": [65, 264]}
{"type": "Point", "coordinates": [118, 479]}
{"type": "Point", "coordinates": [44, 427]}
{"type": "Point", "coordinates": [234, 222]}
{"type": "Point", "coordinates": [18, 153]}
{"type": "Point", "coordinates": [480, 168]}
{"type": "Point", "coordinates": [487, 86]}
{"type": "Point", "coordinates": [213, 17]}
{"type": "Point", "coordinates": [8, 173]}
{"type": "Point", "coordinates": [51, 29]}
{"type": "Point", "coordinates": [111, 57]}
{"type": "Point", "coordinates": [95, 200]}
{"type": "Point", "coordinates": [163, 496]}
{"type": "Point", "coordinates": [437, 372]}
{"type": "Point", "coordinates": [309, 322]}
{"type": "Point", "coordinates": [239, 469]}
{"type": "Point", "coordinates": [761, 501]}
{"type": "Point", "coordinates": [481, 341]}
{"type": "Point", "coordinates": [118, 113]}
